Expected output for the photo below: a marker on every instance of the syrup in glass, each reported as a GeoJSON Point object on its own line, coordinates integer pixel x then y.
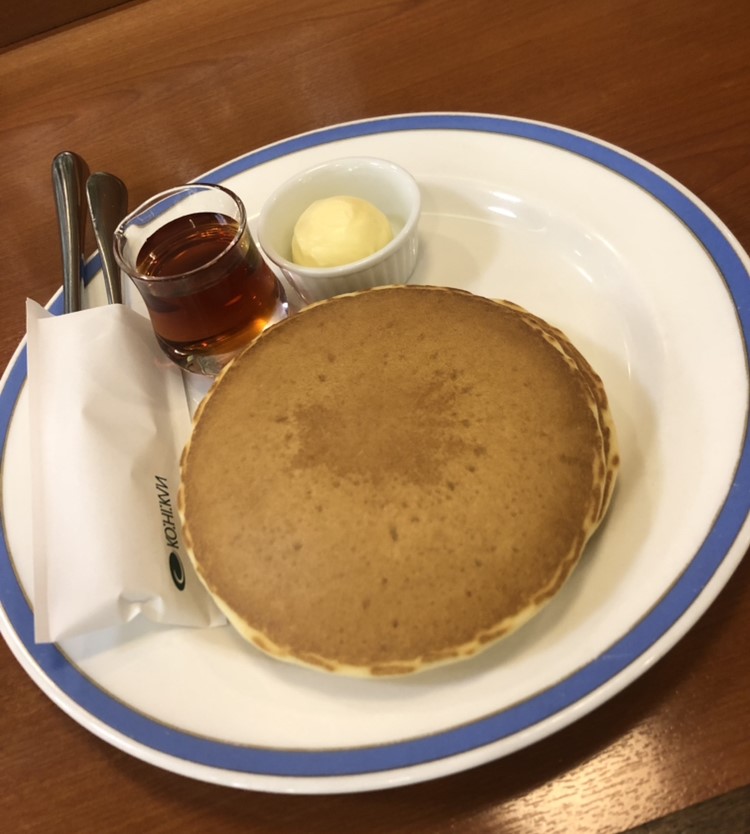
{"type": "Point", "coordinates": [206, 286]}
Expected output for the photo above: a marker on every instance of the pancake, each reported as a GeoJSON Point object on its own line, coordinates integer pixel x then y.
{"type": "Point", "coordinates": [396, 478]}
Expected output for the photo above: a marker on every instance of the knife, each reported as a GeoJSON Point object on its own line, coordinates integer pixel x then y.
{"type": "Point", "coordinates": [69, 173]}
{"type": "Point", "coordinates": [108, 204]}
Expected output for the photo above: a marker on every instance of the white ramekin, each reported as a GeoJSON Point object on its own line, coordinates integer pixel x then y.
{"type": "Point", "coordinates": [385, 184]}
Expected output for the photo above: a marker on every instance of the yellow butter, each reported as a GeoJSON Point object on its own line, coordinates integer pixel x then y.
{"type": "Point", "coordinates": [339, 230]}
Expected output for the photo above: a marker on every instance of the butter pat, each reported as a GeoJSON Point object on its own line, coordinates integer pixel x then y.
{"type": "Point", "coordinates": [339, 230]}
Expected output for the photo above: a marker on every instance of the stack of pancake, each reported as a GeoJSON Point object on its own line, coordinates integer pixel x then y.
{"type": "Point", "coordinates": [396, 478]}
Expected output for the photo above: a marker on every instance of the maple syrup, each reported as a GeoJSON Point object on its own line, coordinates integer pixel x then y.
{"type": "Point", "coordinates": [207, 289]}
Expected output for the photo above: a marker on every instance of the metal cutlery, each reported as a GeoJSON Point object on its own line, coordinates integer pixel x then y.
{"type": "Point", "coordinates": [69, 173]}
{"type": "Point", "coordinates": [108, 204]}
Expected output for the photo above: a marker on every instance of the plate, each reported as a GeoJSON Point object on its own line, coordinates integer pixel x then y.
{"type": "Point", "coordinates": [653, 289]}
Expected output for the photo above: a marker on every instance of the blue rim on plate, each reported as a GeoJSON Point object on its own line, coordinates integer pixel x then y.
{"type": "Point", "coordinates": [515, 719]}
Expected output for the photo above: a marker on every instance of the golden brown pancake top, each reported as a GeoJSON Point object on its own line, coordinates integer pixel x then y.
{"type": "Point", "coordinates": [395, 478]}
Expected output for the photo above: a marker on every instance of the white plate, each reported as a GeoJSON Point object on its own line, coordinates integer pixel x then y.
{"type": "Point", "coordinates": [654, 290]}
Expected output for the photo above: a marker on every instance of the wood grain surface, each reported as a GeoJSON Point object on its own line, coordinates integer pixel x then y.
{"type": "Point", "coordinates": [23, 19]}
{"type": "Point", "coordinates": [160, 91]}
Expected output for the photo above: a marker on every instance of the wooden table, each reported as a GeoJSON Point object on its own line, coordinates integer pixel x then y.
{"type": "Point", "coordinates": [159, 91]}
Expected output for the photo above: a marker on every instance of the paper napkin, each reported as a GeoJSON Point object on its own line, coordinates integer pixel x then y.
{"type": "Point", "coordinates": [109, 417]}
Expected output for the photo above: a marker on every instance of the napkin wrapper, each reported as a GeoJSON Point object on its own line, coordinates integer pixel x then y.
{"type": "Point", "coordinates": [109, 417]}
